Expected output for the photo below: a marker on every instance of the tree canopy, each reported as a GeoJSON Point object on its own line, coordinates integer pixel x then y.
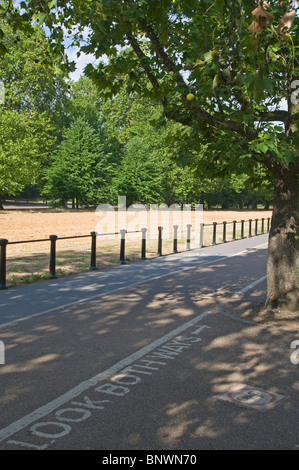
{"type": "Point", "coordinates": [222, 69]}
{"type": "Point", "coordinates": [25, 143]}
{"type": "Point", "coordinates": [79, 169]}
{"type": "Point", "coordinates": [31, 113]}
{"type": "Point", "coordinates": [27, 72]}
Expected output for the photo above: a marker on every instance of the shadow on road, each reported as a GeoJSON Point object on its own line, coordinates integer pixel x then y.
{"type": "Point", "coordinates": [176, 406]}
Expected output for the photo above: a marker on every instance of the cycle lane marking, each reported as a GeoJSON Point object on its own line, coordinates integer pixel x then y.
{"type": "Point", "coordinates": [85, 385]}
{"type": "Point", "coordinates": [94, 381]}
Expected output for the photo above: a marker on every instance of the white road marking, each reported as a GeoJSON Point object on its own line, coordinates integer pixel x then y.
{"type": "Point", "coordinates": [250, 286]}
{"type": "Point", "coordinates": [242, 291]}
{"type": "Point", "coordinates": [234, 317]}
{"type": "Point", "coordinates": [87, 384]}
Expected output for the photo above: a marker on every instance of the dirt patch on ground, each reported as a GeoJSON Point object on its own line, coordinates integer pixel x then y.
{"type": "Point", "coordinates": [18, 225]}
{"type": "Point", "coordinates": [31, 225]}
{"type": "Point", "coordinates": [252, 308]}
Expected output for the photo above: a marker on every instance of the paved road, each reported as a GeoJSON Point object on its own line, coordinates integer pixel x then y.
{"type": "Point", "coordinates": [149, 363]}
{"type": "Point", "coordinates": [24, 205]}
{"type": "Point", "coordinates": [34, 299]}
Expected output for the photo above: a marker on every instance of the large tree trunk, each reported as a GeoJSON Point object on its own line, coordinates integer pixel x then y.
{"type": "Point", "coordinates": [283, 252]}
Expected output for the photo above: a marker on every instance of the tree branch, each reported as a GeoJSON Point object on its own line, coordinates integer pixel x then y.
{"type": "Point", "coordinates": [224, 125]}
{"type": "Point", "coordinates": [196, 110]}
{"type": "Point", "coordinates": [175, 113]}
{"type": "Point", "coordinates": [279, 115]}
{"type": "Point", "coordinates": [140, 54]}
{"type": "Point", "coordinates": [165, 59]}
{"type": "Point", "coordinates": [173, 68]}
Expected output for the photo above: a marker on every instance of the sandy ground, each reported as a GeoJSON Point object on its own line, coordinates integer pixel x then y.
{"type": "Point", "coordinates": [29, 225]}
{"type": "Point", "coordinates": [27, 262]}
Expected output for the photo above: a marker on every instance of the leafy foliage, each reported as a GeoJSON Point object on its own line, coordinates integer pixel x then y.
{"type": "Point", "coordinates": [237, 60]}
{"type": "Point", "coordinates": [27, 72]}
{"type": "Point", "coordinates": [25, 144]}
{"type": "Point", "coordinates": [79, 170]}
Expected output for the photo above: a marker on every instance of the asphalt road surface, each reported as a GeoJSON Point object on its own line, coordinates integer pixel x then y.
{"type": "Point", "coordinates": [142, 357]}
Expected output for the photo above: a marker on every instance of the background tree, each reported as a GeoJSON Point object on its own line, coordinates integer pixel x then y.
{"type": "Point", "coordinates": [25, 144]}
{"type": "Point", "coordinates": [139, 175]}
{"type": "Point", "coordinates": [126, 117]}
{"type": "Point", "coordinates": [85, 101]}
{"type": "Point", "coordinates": [33, 111]}
{"type": "Point", "coordinates": [131, 117]}
{"type": "Point", "coordinates": [30, 77]}
{"type": "Point", "coordinates": [80, 170]}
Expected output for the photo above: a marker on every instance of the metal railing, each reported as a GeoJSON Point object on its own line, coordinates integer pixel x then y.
{"type": "Point", "coordinates": [252, 231]}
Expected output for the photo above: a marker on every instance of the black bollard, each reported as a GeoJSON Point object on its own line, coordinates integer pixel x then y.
{"type": "Point", "coordinates": [143, 243]}
{"type": "Point", "coordinates": [122, 246]}
{"type": "Point", "coordinates": [189, 236]}
{"type": "Point", "coordinates": [249, 232]}
{"type": "Point", "coordinates": [3, 245]}
{"type": "Point", "coordinates": [53, 239]}
{"type": "Point", "coordinates": [214, 232]}
{"type": "Point", "coordinates": [234, 230]}
{"type": "Point", "coordinates": [160, 241]}
{"type": "Point", "coordinates": [93, 256]}
{"type": "Point", "coordinates": [242, 228]}
{"type": "Point", "coordinates": [175, 238]}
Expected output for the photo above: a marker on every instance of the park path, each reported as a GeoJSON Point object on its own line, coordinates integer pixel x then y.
{"type": "Point", "coordinates": [141, 357]}
{"type": "Point", "coordinates": [43, 296]}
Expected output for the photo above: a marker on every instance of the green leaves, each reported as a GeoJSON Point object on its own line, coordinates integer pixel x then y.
{"type": "Point", "coordinates": [28, 71]}
{"type": "Point", "coordinates": [25, 142]}
{"type": "Point", "coordinates": [258, 86]}
{"type": "Point", "coordinates": [276, 145]}
{"type": "Point", "coordinates": [3, 49]}
{"type": "Point", "coordinates": [79, 169]}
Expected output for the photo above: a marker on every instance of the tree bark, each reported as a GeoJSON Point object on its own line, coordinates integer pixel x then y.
{"type": "Point", "coordinates": [283, 250]}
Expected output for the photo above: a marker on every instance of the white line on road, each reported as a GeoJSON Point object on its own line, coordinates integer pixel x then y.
{"type": "Point", "coordinates": [242, 291]}
{"type": "Point", "coordinates": [250, 286]}
{"type": "Point", "coordinates": [87, 384]}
